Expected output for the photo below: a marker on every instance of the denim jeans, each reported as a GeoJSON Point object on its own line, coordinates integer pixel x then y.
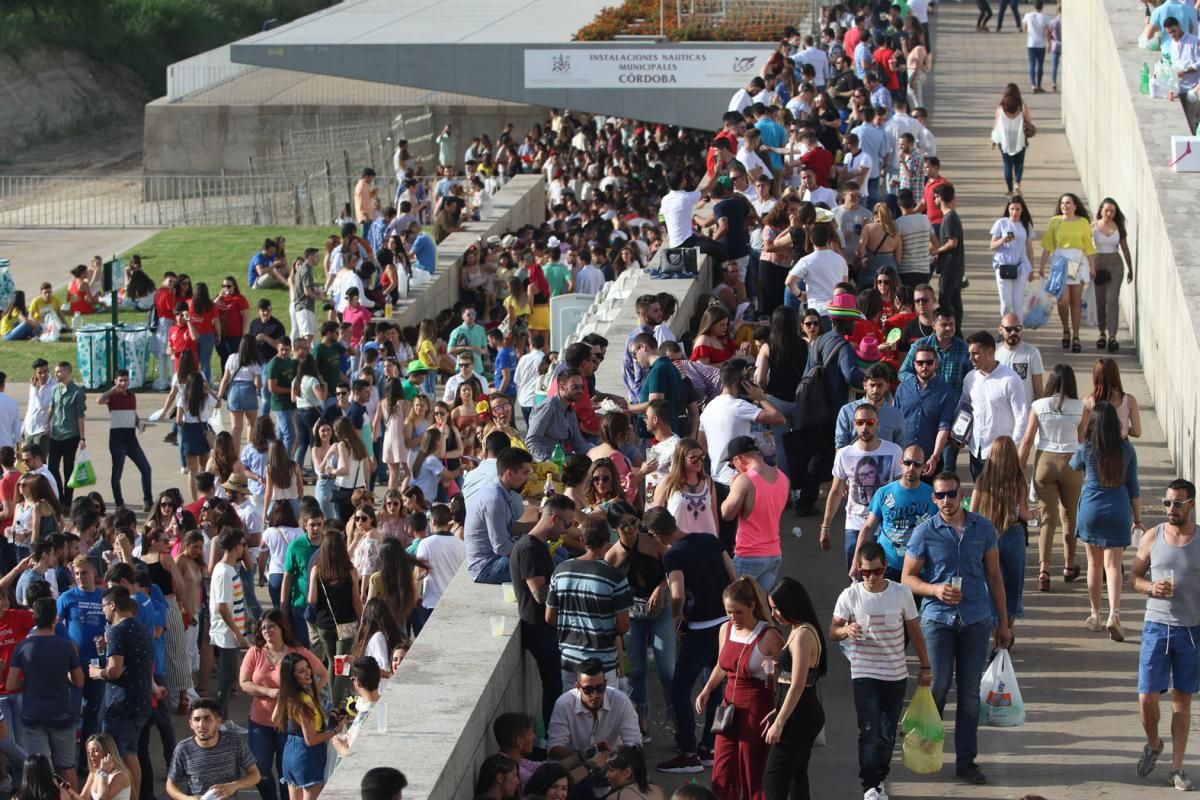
{"type": "Point", "coordinates": [764, 569]}
{"type": "Point", "coordinates": [285, 428]}
{"type": "Point", "coordinates": [253, 607]}
{"type": "Point", "coordinates": [957, 653]}
{"type": "Point", "coordinates": [228, 661]}
{"type": "Point", "coordinates": [87, 703]}
{"type": "Point", "coordinates": [305, 419]}
{"type": "Point", "coordinates": [697, 655]}
{"type": "Point", "coordinates": [787, 408]}
{"type": "Point", "coordinates": [848, 544]}
{"type": "Point", "coordinates": [300, 626]}
{"type": "Point", "coordinates": [24, 330]}
{"type": "Point", "coordinates": [1014, 168]}
{"type": "Point", "coordinates": [274, 586]}
{"type": "Point", "coordinates": [541, 642]}
{"type": "Point", "coordinates": [878, 705]}
{"type": "Point", "coordinates": [14, 754]}
{"type": "Point", "coordinates": [496, 571]}
{"type": "Point", "coordinates": [122, 444]}
{"type": "Point", "coordinates": [160, 720]}
{"type": "Point", "coordinates": [1015, 13]}
{"type": "Point", "coordinates": [266, 743]}
{"type": "Point", "coordinates": [1037, 64]}
{"type": "Point", "coordinates": [1012, 568]}
{"type": "Point", "coordinates": [1055, 55]}
{"type": "Point", "coordinates": [205, 344]}
{"type": "Point", "coordinates": [657, 633]}
{"type": "Point", "coordinates": [323, 491]}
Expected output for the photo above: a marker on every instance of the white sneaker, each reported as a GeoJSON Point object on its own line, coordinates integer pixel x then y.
{"type": "Point", "coordinates": [883, 795]}
{"type": "Point", "coordinates": [233, 727]}
{"type": "Point", "coordinates": [183, 470]}
{"type": "Point", "coordinates": [871, 794]}
{"type": "Point", "coordinates": [1093, 623]}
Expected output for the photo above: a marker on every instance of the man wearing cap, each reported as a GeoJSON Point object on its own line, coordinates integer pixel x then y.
{"type": "Point", "coordinates": [892, 426]}
{"type": "Point", "coordinates": [469, 338]}
{"type": "Point", "coordinates": [859, 469]}
{"type": "Point", "coordinates": [757, 499]}
{"type": "Point", "coordinates": [815, 276]}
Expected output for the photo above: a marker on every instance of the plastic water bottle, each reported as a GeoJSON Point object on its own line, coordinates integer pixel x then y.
{"type": "Point", "coordinates": [1145, 79]}
{"type": "Point", "coordinates": [76, 321]}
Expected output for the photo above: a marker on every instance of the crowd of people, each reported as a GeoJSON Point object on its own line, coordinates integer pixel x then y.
{"type": "Point", "coordinates": [341, 468]}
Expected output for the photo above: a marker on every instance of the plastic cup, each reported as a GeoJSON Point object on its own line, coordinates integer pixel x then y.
{"type": "Point", "coordinates": [380, 713]}
{"type": "Point", "coordinates": [510, 594]}
{"type": "Point", "coordinates": [339, 665]}
{"type": "Point", "coordinates": [497, 626]}
{"type": "Point", "coordinates": [956, 582]}
{"type": "Point", "coordinates": [1169, 577]}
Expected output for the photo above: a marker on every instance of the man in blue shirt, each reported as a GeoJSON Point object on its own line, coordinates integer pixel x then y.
{"type": "Point", "coordinates": [490, 528]}
{"type": "Point", "coordinates": [874, 142]}
{"type": "Point", "coordinates": [130, 655]}
{"type": "Point", "coordinates": [896, 511]}
{"type": "Point", "coordinates": [928, 404]}
{"type": "Point", "coordinates": [422, 246]}
{"type": "Point", "coordinates": [953, 363]}
{"type": "Point", "coordinates": [952, 561]}
{"type": "Point", "coordinates": [79, 610]}
{"type": "Point", "coordinates": [892, 426]}
{"type": "Point", "coordinates": [772, 134]}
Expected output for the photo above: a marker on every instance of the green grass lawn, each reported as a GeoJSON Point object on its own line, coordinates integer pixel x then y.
{"type": "Point", "coordinates": [206, 254]}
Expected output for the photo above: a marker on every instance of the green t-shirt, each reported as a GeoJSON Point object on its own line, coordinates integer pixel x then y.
{"type": "Point", "coordinates": [329, 363]}
{"type": "Point", "coordinates": [473, 336]}
{"type": "Point", "coordinates": [409, 391]}
{"type": "Point", "coordinates": [558, 276]}
{"type": "Point", "coordinates": [295, 563]}
{"type": "Point", "coordinates": [283, 370]}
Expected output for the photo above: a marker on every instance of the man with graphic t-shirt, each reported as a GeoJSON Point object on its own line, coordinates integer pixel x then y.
{"type": "Point", "coordinates": [79, 609]}
{"type": "Point", "coordinates": [896, 510]}
{"type": "Point", "coordinates": [875, 615]}
{"type": "Point", "coordinates": [127, 668]}
{"type": "Point", "coordinates": [859, 470]}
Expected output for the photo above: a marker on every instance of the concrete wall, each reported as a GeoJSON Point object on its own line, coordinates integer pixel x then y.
{"type": "Point", "coordinates": [441, 703]}
{"type": "Point", "coordinates": [522, 201]}
{"type": "Point", "coordinates": [1121, 141]}
{"type": "Point", "coordinates": [187, 138]}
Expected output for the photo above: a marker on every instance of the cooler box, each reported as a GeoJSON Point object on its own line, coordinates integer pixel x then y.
{"type": "Point", "coordinates": [92, 343]}
{"type": "Point", "coordinates": [1185, 154]}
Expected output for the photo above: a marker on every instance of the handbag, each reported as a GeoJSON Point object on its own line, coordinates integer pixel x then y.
{"type": "Point", "coordinates": [678, 260]}
{"type": "Point", "coordinates": [1103, 276]}
{"type": "Point", "coordinates": [1009, 272]}
{"type": "Point", "coordinates": [345, 630]}
{"type": "Point", "coordinates": [1030, 130]}
{"type": "Point", "coordinates": [341, 494]}
{"type": "Point", "coordinates": [723, 718]}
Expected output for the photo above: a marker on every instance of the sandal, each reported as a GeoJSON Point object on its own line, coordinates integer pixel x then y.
{"type": "Point", "coordinates": [1043, 581]}
{"type": "Point", "coordinates": [1076, 347]}
{"type": "Point", "coordinates": [1071, 573]}
{"type": "Point", "coordinates": [1102, 342]}
{"type": "Point", "coordinates": [1066, 340]}
{"type": "Point", "coordinates": [1113, 346]}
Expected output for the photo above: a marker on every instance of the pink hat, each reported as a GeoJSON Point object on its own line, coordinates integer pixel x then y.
{"type": "Point", "coordinates": [843, 305]}
{"type": "Point", "coordinates": [867, 350]}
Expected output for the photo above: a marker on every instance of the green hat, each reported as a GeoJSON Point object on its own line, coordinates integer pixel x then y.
{"type": "Point", "coordinates": [725, 181]}
{"type": "Point", "coordinates": [416, 365]}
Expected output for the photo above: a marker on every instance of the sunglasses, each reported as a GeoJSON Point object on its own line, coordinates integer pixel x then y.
{"type": "Point", "coordinates": [883, 283]}
{"type": "Point", "coordinates": [227, 286]}
{"type": "Point", "coordinates": [925, 362]}
{"type": "Point", "coordinates": [868, 573]}
{"type": "Point", "coordinates": [870, 423]}
{"type": "Point", "coordinates": [1012, 328]}
{"type": "Point", "coordinates": [362, 518]}
{"type": "Point", "coordinates": [919, 300]}
{"type": "Point", "coordinates": [912, 462]}
{"type": "Point", "coordinates": [601, 479]}
{"type": "Point", "coordinates": [812, 323]}
{"type": "Point", "coordinates": [1175, 504]}
{"type": "Point", "coordinates": [950, 495]}
{"type": "Point", "coordinates": [591, 690]}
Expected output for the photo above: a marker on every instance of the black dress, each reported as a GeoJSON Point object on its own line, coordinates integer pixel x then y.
{"type": "Point", "coordinates": [786, 775]}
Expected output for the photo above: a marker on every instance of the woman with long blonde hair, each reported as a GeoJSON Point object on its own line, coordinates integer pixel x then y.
{"type": "Point", "coordinates": [1001, 496]}
{"type": "Point", "coordinates": [108, 777]}
{"type": "Point", "coordinates": [879, 246]}
{"type": "Point", "coordinates": [420, 417]}
{"type": "Point", "coordinates": [688, 491]}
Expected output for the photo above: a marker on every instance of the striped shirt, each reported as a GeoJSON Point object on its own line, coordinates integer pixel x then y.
{"type": "Point", "coordinates": [122, 410]}
{"type": "Point", "coordinates": [588, 595]}
{"type": "Point", "coordinates": [879, 654]}
{"type": "Point", "coordinates": [195, 769]}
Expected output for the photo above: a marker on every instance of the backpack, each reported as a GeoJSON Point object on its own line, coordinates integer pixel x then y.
{"type": "Point", "coordinates": [812, 393]}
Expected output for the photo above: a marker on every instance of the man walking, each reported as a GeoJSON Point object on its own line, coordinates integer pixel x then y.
{"type": "Point", "coordinates": [878, 616]}
{"type": "Point", "coordinates": [951, 253]}
{"type": "Point", "coordinates": [896, 511]}
{"type": "Point", "coordinates": [859, 470]}
{"type": "Point", "coordinates": [1021, 357]}
{"type": "Point", "coordinates": [952, 561]}
{"type": "Point", "coordinates": [757, 499]}
{"type": "Point", "coordinates": [996, 398]}
{"type": "Point", "coordinates": [227, 612]}
{"type": "Point", "coordinates": [1166, 569]}
{"type": "Point", "coordinates": [122, 438]}
{"type": "Point", "coordinates": [68, 404]}
{"type": "Point", "coordinates": [891, 428]}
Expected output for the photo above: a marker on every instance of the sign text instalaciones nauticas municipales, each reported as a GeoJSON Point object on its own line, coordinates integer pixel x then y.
{"type": "Point", "coordinates": [642, 67]}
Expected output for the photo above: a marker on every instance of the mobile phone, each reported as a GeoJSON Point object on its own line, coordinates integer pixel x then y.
{"type": "Point", "coordinates": [590, 753]}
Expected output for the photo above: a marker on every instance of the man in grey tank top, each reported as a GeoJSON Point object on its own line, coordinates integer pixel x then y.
{"type": "Point", "coordinates": [1167, 570]}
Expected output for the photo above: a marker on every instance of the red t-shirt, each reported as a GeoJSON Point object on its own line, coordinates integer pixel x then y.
{"type": "Point", "coordinates": [850, 40]}
{"type": "Point", "coordinates": [883, 59]}
{"type": "Point", "coordinates": [203, 323]}
{"type": "Point", "coordinates": [931, 208]}
{"type": "Point", "coordinates": [537, 279]}
{"type": "Point", "coordinates": [15, 625]}
{"type": "Point", "coordinates": [179, 338]}
{"type": "Point", "coordinates": [821, 160]}
{"type": "Point", "coordinates": [710, 160]}
{"type": "Point", "coordinates": [231, 309]}
{"type": "Point", "coordinates": [8, 490]}
{"type": "Point", "coordinates": [164, 303]}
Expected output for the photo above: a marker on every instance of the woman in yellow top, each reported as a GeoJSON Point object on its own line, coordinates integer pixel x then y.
{"type": "Point", "coordinates": [16, 322]}
{"type": "Point", "coordinates": [1069, 235]}
{"type": "Point", "coordinates": [518, 309]}
{"type": "Point", "coordinates": [431, 355]}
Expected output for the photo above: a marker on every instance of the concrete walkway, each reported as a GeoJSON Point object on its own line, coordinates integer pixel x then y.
{"type": "Point", "coordinates": [1082, 734]}
{"type": "Point", "coordinates": [39, 254]}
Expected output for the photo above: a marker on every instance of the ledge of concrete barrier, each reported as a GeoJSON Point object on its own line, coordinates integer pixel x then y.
{"type": "Point", "coordinates": [1121, 142]}
{"type": "Point", "coordinates": [456, 679]}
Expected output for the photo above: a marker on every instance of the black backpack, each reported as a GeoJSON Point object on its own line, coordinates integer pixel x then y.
{"type": "Point", "coordinates": [813, 406]}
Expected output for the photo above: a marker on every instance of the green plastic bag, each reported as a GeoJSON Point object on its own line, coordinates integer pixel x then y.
{"type": "Point", "coordinates": [84, 474]}
{"type": "Point", "coordinates": [923, 733]}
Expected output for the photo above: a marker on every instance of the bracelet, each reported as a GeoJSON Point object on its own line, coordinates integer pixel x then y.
{"type": "Point", "coordinates": [923, 668]}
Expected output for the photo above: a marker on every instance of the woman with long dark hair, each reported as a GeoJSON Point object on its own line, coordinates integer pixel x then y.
{"type": "Point", "coordinates": [1011, 127]}
{"type": "Point", "coordinates": [365, 539]}
{"type": "Point", "coordinates": [1001, 497]}
{"type": "Point", "coordinates": [38, 781]}
{"type": "Point", "coordinates": [1112, 246]}
{"type": "Point", "coordinates": [776, 259]}
{"type": "Point", "coordinates": [395, 583]}
{"type": "Point", "coordinates": [196, 407]}
{"type": "Point", "coordinates": [241, 385]}
{"type": "Point", "coordinates": [378, 634]}
{"type": "Point", "coordinates": [206, 320]}
{"type": "Point", "coordinates": [15, 323]}
{"type": "Point", "coordinates": [603, 486]}
{"type": "Point", "coordinates": [284, 482]}
{"type": "Point", "coordinates": [235, 317]}
{"type": "Point", "coordinates": [798, 716]}
{"type": "Point", "coordinates": [1054, 426]}
{"type": "Point", "coordinates": [714, 342]}
{"type": "Point", "coordinates": [1069, 237]}
{"type": "Point", "coordinates": [333, 595]}
{"type": "Point", "coordinates": [393, 409]}
{"type": "Point", "coordinates": [1012, 255]}
{"type": "Point", "coordinates": [259, 678]}
{"type": "Point", "coordinates": [1109, 509]}
{"type": "Point", "coordinates": [1107, 387]}
{"type": "Point", "coordinates": [310, 400]}
{"type": "Point", "coordinates": [300, 717]}
{"type": "Point", "coordinates": [779, 368]}
{"type": "Point", "coordinates": [282, 529]}
{"type": "Point", "coordinates": [627, 775]}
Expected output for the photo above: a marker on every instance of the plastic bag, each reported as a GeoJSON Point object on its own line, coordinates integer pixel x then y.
{"type": "Point", "coordinates": [84, 473]}
{"type": "Point", "coordinates": [924, 733]}
{"type": "Point", "coordinates": [1057, 279]}
{"type": "Point", "coordinates": [1039, 305]}
{"type": "Point", "coordinates": [52, 326]}
{"type": "Point", "coordinates": [1089, 314]}
{"type": "Point", "coordinates": [999, 696]}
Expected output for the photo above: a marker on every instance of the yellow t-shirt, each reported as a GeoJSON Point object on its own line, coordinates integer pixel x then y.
{"type": "Point", "coordinates": [39, 305]}
{"type": "Point", "coordinates": [313, 710]}
{"type": "Point", "coordinates": [427, 353]}
{"type": "Point", "coordinates": [9, 321]}
{"type": "Point", "coordinates": [1076, 234]}
{"type": "Point", "coordinates": [516, 309]}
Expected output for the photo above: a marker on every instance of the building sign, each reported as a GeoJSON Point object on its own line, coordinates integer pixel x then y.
{"type": "Point", "coordinates": [642, 67]}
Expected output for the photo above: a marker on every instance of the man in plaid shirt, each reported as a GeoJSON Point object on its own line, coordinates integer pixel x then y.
{"type": "Point", "coordinates": [912, 166]}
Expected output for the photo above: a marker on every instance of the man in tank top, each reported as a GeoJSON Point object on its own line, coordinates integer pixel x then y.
{"type": "Point", "coordinates": [1167, 571]}
{"type": "Point", "coordinates": [757, 498]}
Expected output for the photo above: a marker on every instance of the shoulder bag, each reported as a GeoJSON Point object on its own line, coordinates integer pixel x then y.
{"type": "Point", "coordinates": [723, 718]}
{"type": "Point", "coordinates": [345, 630]}
{"type": "Point", "coordinates": [342, 495]}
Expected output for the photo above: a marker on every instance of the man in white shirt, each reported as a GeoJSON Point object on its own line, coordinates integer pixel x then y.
{"type": "Point", "coordinates": [728, 416]}
{"type": "Point", "coordinates": [227, 610]}
{"type": "Point", "coordinates": [589, 279]}
{"type": "Point", "coordinates": [857, 163]}
{"type": "Point", "coordinates": [996, 398]}
{"type": "Point", "coordinates": [1184, 49]}
{"type": "Point", "coordinates": [10, 417]}
{"type": "Point", "coordinates": [1021, 357]}
{"type": "Point", "coordinates": [678, 208]}
{"type": "Point", "coordinates": [591, 716]}
{"type": "Point", "coordinates": [1034, 24]}
{"type": "Point", "coordinates": [37, 410]}
{"type": "Point", "coordinates": [748, 155]}
{"type": "Point", "coordinates": [443, 552]}
{"type": "Point", "coordinates": [821, 270]}
{"type": "Point", "coordinates": [926, 142]}
{"type": "Point", "coordinates": [811, 54]}
{"type": "Point", "coordinates": [526, 375]}
{"type": "Point", "coordinates": [742, 98]}
{"type": "Point", "coordinates": [813, 191]}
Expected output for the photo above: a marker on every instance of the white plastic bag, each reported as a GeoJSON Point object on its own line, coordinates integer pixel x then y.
{"type": "Point", "coordinates": [999, 696]}
{"type": "Point", "coordinates": [1089, 315]}
{"type": "Point", "coordinates": [52, 327]}
{"type": "Point", "coordinates": [1038, 305]}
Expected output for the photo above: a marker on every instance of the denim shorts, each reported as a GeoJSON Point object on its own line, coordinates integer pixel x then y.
{"type": "Point", "coordinates": [1169, 659]}
{"type": "Point", "coordinates": [57, 743]}
{"type": "Point", "coordinates": [242, 396]}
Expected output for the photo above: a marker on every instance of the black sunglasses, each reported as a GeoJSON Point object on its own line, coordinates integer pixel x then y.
{"type": "Point", "coordinates": [950, 495]}
{"type": "Point", "coordinates": [912, 462]}
{"type": "Point", "coordinates": [591, 690]}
